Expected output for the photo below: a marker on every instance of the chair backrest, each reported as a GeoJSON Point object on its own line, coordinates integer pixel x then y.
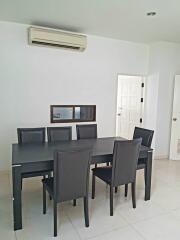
{"type": "Point", "coordinates": [57, 134]}
{"type": "Point", "coordinates": [71, 174]}
{"type": "Point", "coordinates": [125, 159]}
{"type": "Point", "coordinates": [145, 134]}
{"type": "Point", "coordinates": [86, 131]}
{"type": "Point", "coordinates": [31, 135]}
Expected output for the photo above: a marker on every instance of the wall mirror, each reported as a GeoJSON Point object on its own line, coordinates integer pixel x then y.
{"type": "Point", "coordinates": [72, 113]}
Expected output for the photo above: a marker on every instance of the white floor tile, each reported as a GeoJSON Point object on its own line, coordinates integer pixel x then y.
{"type": "Point", "coordinates": [165, 227]}
{"type": "Point", "coordinates": [143, 211]}
{"type": "Point", "coordinates": [38, 226]}
{"type": "Point", "coordinates": [166, 197]}
{"type": "Point", "coordinates": [127, 233]}
{"type": "Point", "coordinates": [100, 220]}
{"type": "Point", "coordinates": [176, 213]}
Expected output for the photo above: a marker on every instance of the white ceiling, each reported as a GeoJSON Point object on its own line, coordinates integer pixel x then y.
{"type": "Point", "coordinates": [120, 19]}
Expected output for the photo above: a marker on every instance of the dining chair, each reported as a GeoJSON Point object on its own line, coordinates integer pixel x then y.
{"type": "Point", "coordinates": [123, 169]}
{"type": "Point", "coordinates": [147, 136]}
{"type": "Point", "coordinates": [32, 136]}
{"type": "Point", "coordinates": [86, 131]}
{"type": "Point", "coordinates": [58, 134]}
{"type": "Point", "coordinates": [70, 180]}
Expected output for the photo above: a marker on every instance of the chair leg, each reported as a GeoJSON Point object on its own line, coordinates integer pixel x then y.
{"type": "Point", "coordinates": [21, 183]}
{"type": "Point", "coordinates": [48, 176]}
{"type": "Point", "coordinates": [74, 202]}
{"type": "Point", "coordinates": [86, 211]}
{"type": "Point", "coordinates": [44, 200]}
{"type": "Point", "coordinates": [93, 186]}
{"type": "Point", "coordinates": [95, 165]}
{"type": "Point", "coordinates": [111, 200]}
{"type": "Point", "coordinates": [145, 175]}
{"type": "Point", "coordinates": [44, 177]}
{"type": "Point", "coordinates": [55, 219]}
{"type": "Point", "coordinates": [116, 189]}
{"type": "Point", "coordinates": [126, 190]}
{"type": "Point", "coordinates": [133, 190]}
{"type": "Point", "coordinates": [107, 164]}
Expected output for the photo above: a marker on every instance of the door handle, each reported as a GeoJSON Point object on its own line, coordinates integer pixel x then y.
{"type": "Point", "coordinates": [174, 119]}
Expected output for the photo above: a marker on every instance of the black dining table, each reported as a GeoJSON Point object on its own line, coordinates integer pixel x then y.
{"type": "Point", "coordinates": [39, 157]}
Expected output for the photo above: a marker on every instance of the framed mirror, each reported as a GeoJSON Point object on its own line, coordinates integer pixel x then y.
{"type": "Point", "coordinates": [72, 113]}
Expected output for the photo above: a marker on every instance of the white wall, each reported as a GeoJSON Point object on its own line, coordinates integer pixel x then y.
{"type": "Point", "coordinates": [164, 64]}
{"type": "Point", "coordinates": [32, 78]}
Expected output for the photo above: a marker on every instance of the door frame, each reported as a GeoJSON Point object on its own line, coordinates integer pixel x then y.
{"type": "Point", "coordinates": [144, 77]}
{"type": "Point", "coordinates": [172, 157]}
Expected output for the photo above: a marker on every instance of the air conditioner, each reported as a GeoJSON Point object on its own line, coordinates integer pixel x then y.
{"type": "Point", "coordinates": [56, 38]}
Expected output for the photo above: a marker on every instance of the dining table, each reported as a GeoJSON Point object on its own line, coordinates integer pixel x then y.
{"type": "Point", "coordinates": [39, 157]}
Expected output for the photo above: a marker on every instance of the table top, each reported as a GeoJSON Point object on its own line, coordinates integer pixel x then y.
{"type": "Point", "coordinates": [28, 153]}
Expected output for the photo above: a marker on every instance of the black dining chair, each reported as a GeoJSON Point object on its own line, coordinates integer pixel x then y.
{"type": "Point", "coordinates": [70, 181]}
{"type": "Point", "coordinates": [147, 136]}
{"type": "Point", "coordinates": [59, 134]}
{"type": "Point", "coordinates": [86, 131]}
{"type": "Point", "coordinates": [123, 169]}
{"type": "Point", "coordinates": [32, 136]}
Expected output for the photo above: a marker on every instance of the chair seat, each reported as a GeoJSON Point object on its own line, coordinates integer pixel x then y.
{"type": "Point", "coordinates": [49, 185]}
{"type": "Point", "coordinates": [104, 173]}
{"type": "Point", "coordinates": [35, 174]}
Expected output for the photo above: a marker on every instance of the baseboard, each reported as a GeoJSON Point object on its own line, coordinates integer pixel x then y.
{"type": "Point", "coordinates": [160, 157]}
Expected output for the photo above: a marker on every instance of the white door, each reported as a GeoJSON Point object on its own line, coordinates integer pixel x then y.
{"type": "Point", "coordinates": [130, 104]}
{"type": "Point", "coordinates": [175, 129]}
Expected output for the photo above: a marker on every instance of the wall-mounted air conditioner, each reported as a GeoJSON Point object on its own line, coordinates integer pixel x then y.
{"type": "Point", "coordinates": [56, 38]}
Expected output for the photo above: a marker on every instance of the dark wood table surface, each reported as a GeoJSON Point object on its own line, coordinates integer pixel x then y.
{"type": "Point", "coordinates": [39, 157]}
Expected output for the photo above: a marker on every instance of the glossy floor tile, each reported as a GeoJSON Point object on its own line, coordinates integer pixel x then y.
{"type": "Point", "coordinates": [164, 227]}
{"type": "Point", "coordinates": [156, 219]}
{"type": "Point", "coordinates": [127, 233]}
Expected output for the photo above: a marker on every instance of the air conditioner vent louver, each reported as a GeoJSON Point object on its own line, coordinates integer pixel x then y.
{"type": "Point", "coordinates": [55, 45]}
{"type": "Point", "coordinates": [56, 38]}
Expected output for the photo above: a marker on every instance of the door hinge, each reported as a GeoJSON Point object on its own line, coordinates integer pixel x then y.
{"type": "Point", "coordinates": [142, 85]}
{"type": "Point", "coordinates": [140, 120]}
{"type": "Point", "coordinates": [142, 99]}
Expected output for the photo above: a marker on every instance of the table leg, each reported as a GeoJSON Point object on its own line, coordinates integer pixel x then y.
{"type": "Point", "coordinates": [148, 176]}
{"type": "Point", "coordinates": [17, 206]}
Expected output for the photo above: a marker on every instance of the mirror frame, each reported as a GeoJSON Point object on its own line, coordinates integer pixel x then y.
{"type": "Point", "coordinates": [73, 119]}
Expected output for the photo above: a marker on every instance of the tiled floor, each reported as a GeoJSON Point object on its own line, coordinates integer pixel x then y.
{"type": "Point", "coordinates": [156, 219]}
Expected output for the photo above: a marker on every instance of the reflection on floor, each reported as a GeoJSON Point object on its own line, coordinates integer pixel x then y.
{"type": "Point", "coordinates": [156, 219]}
